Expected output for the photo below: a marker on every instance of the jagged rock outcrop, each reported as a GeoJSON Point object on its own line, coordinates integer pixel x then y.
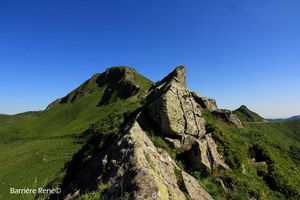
{"type": "Point", "coordinates": [210, 104]}
{"type": "Point", "coordinates": [136, 169]}
{"type": "Point", "coordinates": [187, 141]}
{"type": "Point", "coordinates": [199, 155]}
{"type": "Point", "coordinates": [192, 187]}
{"type": "Point", "coordinates": [215, 158]}
{"type": "Point", "coordinates": [173, 109]}
{"type": "Point", "coordinates": [204, 152]}
{"type": "Point", "coordinates": [179, 74]}
{"type": "Point", "coordinates": [228, 116]}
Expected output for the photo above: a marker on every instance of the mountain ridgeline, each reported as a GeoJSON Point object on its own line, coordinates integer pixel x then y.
{"type": "Point", "coordinates": [121, 136]}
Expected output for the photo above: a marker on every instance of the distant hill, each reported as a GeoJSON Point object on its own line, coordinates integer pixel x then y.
{"type": "Point", "coordinates": [8, 119]}
{"type": "Point", "coordinates": [293, 118]}
{"type": "Point", "coordinates": [246, 115]}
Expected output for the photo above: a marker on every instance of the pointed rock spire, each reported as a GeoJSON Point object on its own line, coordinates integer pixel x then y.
{"type": "Point", "coordinates": [172, 107]}
{"type": "Point", "coordinates": [178, 74]}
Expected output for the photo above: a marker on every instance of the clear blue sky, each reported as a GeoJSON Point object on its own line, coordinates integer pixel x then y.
{"type": "Point", "coordinates": [238, 52]}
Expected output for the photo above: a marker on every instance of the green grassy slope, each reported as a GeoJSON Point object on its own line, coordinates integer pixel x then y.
{"type": "Point", "coordinates": [34, 150]}
{"type": "Point", "coordinates": [246, 115]}
{"type": "Point", "coordinates": [246, 150]}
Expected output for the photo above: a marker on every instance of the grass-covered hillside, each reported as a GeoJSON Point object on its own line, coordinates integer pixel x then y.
{"type": "Point", "coordinates": [264, 158]}
{"type": "Point", "coordinates": [246, 115]}
{"type": "Point", "coordinates": [35, 147]}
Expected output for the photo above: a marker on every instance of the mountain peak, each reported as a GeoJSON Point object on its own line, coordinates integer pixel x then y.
{"type": "Point", "coordinates": [117, 82]}
{"type": "Point", "coordinates": [243, 107]}
{"type": "Point", "coordinates": [246, 115]}
{"type": "Point", "coordinates": [120, 72]}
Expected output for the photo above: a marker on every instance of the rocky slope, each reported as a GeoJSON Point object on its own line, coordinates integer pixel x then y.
{"type": "Point", "coordinates": [134, 168]}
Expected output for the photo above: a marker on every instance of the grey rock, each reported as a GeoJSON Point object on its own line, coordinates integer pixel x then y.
{"type": "Point", "coordinates": [179, 74]}
{"type": "Point", "coordinates": [194, 190]}
{"type": "Point", "coordinates": [215, 158]}
{"type": "Point", "coordinates": [188, 141]}
{"type": "Point", "coordinates": [229, 117]}
{"type": "Point", "coordinates": [235, 120]}
{"type": "Point", "coordinates": [173, 142]}
{"type": "Point", "coordinates": [199, 156]}
{"type": "Point", "coordinates": [145, 172]}
{"type": "Point", "coordinates": [210, 104]}
{"type": "Point", "coordinates": [174, 110]}
{"type": "Point", "coordinates": [204, 152]}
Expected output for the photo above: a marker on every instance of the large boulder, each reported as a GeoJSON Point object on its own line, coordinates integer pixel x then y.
{"type": "Point", "coordinates": [199, 156]}
{"type": "Point", "coordinates": [215, 158]}
{"type": "Point", "coordinates": [193, 189]}
{"type": "Point", "coordinates": [204, 153]}
{"type": "Point", "coordinates": [173, 109]}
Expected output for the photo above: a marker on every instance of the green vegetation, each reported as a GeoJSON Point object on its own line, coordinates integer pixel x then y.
{"type": "Point", "coordinates": [260, 159]}
{"type": "Point", "coordinates": [91, 196]}
{"type": "Point", "coordinates": [246, 115]}
{"type": "Point", "coordinates": [36, 146]}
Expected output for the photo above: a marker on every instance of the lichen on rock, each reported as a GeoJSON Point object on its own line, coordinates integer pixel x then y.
{"type": "Point", "coordinates": [173, 108]}
{"type": "Point", "coordinates": [204, 152]}
{"type": "Point", "coordinates": [192, 187]}
{"type": "Point", "coordinates": [142, 171]}
{"type": "Point", "coordinates": [210, 104]}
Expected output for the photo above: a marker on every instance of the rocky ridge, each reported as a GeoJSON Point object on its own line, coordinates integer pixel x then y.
{"type": "Point", "coordinates": [134, 168]}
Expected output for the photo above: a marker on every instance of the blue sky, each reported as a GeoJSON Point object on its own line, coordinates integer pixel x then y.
{"type": "Point", "coordinates": [238, 52]}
